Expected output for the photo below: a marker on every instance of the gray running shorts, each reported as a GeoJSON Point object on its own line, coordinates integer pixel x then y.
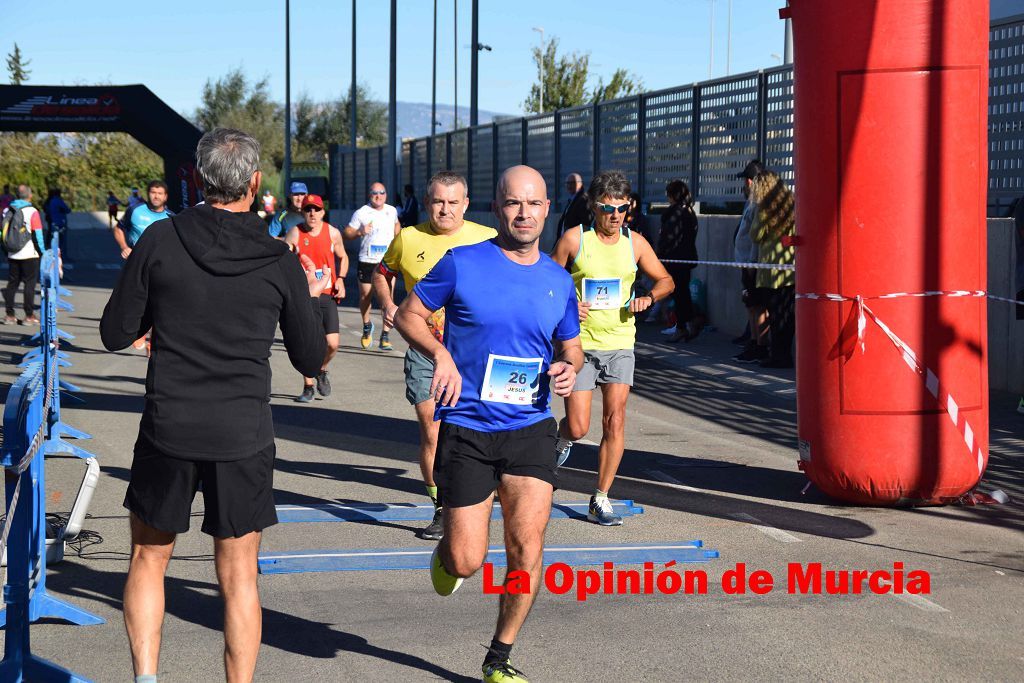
{"type": "Point", "coordinates": [419, 373]}
{"type": "Point", "coordinates": [605, 367]}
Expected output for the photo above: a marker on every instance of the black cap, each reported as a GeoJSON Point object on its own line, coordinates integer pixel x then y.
{"type": "Point", "coordinates": [751, 170]}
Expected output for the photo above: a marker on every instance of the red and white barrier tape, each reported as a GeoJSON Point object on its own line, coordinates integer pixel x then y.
{"type": "Point", "coordinates": [733, 264]}
{"type": "Point", "coordinates": [931, 380]}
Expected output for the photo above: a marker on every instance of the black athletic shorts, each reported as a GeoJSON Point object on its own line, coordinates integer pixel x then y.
{"type": "Point", "coordinates": [365, 272]}
{"type": "Point", "coordinates": [469, 464]}
{"type": "Point", "coordinates": [238, 495]}
{"type": "Point", "coordinates": [1020, 307]}
{"type": "Point", "coordinates": [329, 314]}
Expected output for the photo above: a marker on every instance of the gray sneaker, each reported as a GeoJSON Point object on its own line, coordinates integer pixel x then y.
{"type": "Point", "coordinates": [601, 512]}
{"type": "Point", "coordinates": [435, 530]}
{"type": "Point", "coordinates": [562, 449]}
{"type": "Point", "coordinates": [323, 385]}
{"type": "Point", "coordinates": [306, 396]}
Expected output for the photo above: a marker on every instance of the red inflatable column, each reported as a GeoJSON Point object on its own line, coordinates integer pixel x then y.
{"type": "Point", "coordinates": [891, 113]}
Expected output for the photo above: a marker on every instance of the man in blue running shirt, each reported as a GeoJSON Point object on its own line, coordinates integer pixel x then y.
{"type": "Point", "coordinates": [283, 222]}
{"type": "Point", "coordinates": [511, 337]}
{"type": "Point", "coordinates": [140, 216]}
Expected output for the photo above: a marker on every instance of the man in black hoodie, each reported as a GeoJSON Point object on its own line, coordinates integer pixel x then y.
{"type": "Point", "coordinates": [213, 286]}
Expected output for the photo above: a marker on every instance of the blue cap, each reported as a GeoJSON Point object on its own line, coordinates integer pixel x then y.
{"type": "Point", "coordinates": [298, 188]}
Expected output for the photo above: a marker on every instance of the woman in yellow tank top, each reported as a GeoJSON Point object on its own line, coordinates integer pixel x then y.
{"type": "Point", "coordinates": [603, 260]}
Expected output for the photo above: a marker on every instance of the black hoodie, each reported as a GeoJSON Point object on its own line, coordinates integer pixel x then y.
{"type": "Point", "coordinates": [213, 286]}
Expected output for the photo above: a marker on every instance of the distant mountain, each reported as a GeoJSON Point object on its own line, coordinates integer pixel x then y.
{"type": "Point", "coordinates": [414, 118]}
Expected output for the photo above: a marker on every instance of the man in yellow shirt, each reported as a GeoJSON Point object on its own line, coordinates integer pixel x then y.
{"type": "Point", "coordinates": [412, 253]}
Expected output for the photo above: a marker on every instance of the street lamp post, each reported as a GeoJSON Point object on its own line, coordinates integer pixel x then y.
{"type": "Point", "coordinates": [711, 34]}
{"type": "Point", "coordinates": [392, 161]}
{"type": "Point", "coordinates": [540, 64]}
{"type": "Point", "coordinates": [433, 83]}
{"type": "Point", "coordinates": [455, 117]}
{"type": "Point", "coordinates": [353, 131]}
{"type": "Point", "coordinates": [473, 60]}
{"type": "Point", "coordinates": [287, 96]}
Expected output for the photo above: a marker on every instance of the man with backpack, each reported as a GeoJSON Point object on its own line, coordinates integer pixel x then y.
{"type": "Point", "coordinates": [22, 240]}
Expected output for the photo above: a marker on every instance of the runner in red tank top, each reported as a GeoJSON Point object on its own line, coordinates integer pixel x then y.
{"type": "Point", "coordinates": [322, 242]}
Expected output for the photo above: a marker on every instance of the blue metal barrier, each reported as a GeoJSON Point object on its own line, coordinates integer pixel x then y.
{"type": "Point", "coordinates": [33, 429]}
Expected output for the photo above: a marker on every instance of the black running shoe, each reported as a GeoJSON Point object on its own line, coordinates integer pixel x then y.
{"type": "Point", "coordinates": [435, 530]}
{"type": "Point", "coordinates": [323, 384]}
{"type": "Point", "coordinates": [306, 396]}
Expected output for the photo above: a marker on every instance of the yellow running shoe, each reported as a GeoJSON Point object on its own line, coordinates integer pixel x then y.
{"type": "Point", "coordinates": [503, 672]}
{"type": "Point", "coordinates": [367, 337]}
{"type": "Point", "coordinates": [444, 583]}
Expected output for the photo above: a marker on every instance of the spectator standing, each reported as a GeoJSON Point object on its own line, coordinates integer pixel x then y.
{"type": "Point", "coordinates": [577, 210]}
{"type": "Point", "coordinates": [282, 223]}
{"type": "Point", "coordinates": [57, 211]}
{"type": "Point", "coordinates": [677, 241]}
{"type": "Point", "coordinates": [746, 251]}
{"type": "Point", "coordinates": [410, 211]}
{"type": "Point", "coordinates": [214, 287]}
{"type": "Point", "coordinates": [23, 243]}
{"type": "Point", "coordinates": [773, 228]}
{"type": "Point", "coordinates": [6, 198]}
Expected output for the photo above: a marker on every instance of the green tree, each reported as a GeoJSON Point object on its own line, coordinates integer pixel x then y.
{"type": "Point", "coordinates": [236, 102]}
{"type": "Point", "coordinates": [317, 125]}
{"type": "Point", "coordinates": [622, 84]}
{"type": "Point", "coordinates": [17, 66]}
{"type": "Point", "coordinates": [564, 79]}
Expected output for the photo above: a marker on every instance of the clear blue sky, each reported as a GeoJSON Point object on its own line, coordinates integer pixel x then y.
{"type": "Point", "coordinates": [175, 46]}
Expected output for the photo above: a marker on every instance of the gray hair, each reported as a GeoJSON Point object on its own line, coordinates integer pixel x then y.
{"type": "Point", "coordinates": [612, 184]}
{"type": "Point", "coordinates": [24, 191]}
{"type": "Point", "coordinates": [226, 160]}
{"type": "Point", "coordinates": [447, 178]}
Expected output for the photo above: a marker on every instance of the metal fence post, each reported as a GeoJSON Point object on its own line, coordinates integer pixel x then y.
{"type": "Point", "coordinates": [695, 143]}
{"type": "Point", "coordinates": [522, 142]}
{"type": "Point", "coordinates": [641, 145]}
{"type": "Point", "coordinates": [762, 115]}
{"type": "Point", "coordinates": [558, 155]}
{"type": "Point", "coordinates": [494, 154]}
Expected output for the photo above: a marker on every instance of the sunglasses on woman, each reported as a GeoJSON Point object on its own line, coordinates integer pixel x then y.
{"type": "Point", "coordinates": [612, 208]}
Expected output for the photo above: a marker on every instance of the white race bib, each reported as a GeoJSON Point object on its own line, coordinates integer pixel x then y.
{"type": "Point", "coordinates": [602, 294]}
{"type": "Point", "coordinates": [511, 380]}
{"type": "Point", "coordinates": [377, 250]}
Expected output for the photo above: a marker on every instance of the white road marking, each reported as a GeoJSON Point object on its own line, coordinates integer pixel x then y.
{"type": "Point", "coordinates": [669, 479]}
{"type": "Point", "coordinates": [770, 531]}
{"type": "Point", "coordinates": [920, 602]}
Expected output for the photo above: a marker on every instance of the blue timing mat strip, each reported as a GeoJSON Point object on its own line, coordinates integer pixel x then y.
{"type": "Point", "coordinates": [374, 559]}
{"type": "Point", "coordinates": [422, 512]}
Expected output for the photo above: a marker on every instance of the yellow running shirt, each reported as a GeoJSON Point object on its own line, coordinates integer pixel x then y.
{"type": "Point", "coordinates": [416, 249]}
{"type": "Point", "coordinates": [604, 275]}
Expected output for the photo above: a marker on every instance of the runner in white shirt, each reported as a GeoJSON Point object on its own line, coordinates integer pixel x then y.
{"type": "Point", "coordinates": [377, 224]}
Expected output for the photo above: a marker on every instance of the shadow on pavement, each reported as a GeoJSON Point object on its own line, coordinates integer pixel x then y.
{"type": "Point", "coordinates": [191, 601]}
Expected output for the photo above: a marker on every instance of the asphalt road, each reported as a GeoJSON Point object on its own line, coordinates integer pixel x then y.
{"type": "Point", "coordinates": [710, 455]}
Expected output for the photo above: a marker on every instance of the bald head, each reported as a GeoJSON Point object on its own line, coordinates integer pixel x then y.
{"type": "Point", "coordinates": [573, 183]}
{"type": "Point", "coordinates": [521, 205]}
{"type": "Point", "coordinates": [519, 178]}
